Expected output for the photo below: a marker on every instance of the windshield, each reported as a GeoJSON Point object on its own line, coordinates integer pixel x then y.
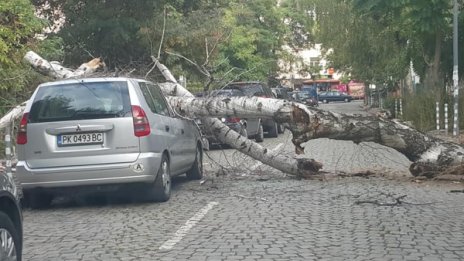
{"type": "Point", "coordinates": [78, 101]}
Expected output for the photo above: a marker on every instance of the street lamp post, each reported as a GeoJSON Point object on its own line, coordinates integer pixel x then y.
{"type": "Point", "coordinates": [455, 69]}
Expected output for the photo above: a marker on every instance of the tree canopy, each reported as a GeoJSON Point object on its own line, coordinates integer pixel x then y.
{"type": "Point", "coordinates": [371, 40]}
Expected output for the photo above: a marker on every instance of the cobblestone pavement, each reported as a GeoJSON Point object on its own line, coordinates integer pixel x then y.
{"type": "Point", "coordinates": [251, 212]}
{"type": "Point", "coordinates": [258, 218]}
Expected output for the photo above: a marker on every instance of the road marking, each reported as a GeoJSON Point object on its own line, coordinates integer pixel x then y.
{"type": "Point", "coordinates": [183, 230]}
{"type": "Point", "coordinates": [272, 151]}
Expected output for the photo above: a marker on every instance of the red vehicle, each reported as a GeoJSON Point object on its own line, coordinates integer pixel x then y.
{"type": "Point", "coordinates": [356, 90]}
{"type": "Point", "coordinates": [322, 84]}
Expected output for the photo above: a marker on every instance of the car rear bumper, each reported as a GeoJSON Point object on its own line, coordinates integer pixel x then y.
{"type": "Point", "coordinates": [144, 169]}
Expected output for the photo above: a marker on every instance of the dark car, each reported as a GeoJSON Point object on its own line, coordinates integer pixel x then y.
{"type": "Point", "coordinates": [11, 229]}
{"type": "Point", "coordinates": [306, 98]}
{"type": "Point", "coordinates": [258, 89]}
{"type": "Point", "coordinates": [235, 123]}
{"type": "Point", "coordinates": [281, 93]}
{"type": "Point", "coordinates": [331, 96]}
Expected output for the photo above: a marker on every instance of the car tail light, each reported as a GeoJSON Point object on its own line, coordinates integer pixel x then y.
{"type": "Point", "coordinates": [141, 124]}
{"type": "Point", "coordinates": [233, 120]}
{"type": "Point", "coordinates": [22, 131]}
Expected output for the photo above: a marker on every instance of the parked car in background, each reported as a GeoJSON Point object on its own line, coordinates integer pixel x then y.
{"type": "Point", "coordinates": [104, 132]}
{"type": "Point", "coordinates": [281, 93]}
{"type": "Point", "coordinates": [259, 89]}
{"type": "Point", "coordinates": [306, 98]}
{"type": "Point", "coordinates": [331, 96]}
{"type": "Point", "coordinates": [11, 228]}
{"type": "Point", "coordinates": [235, 123]}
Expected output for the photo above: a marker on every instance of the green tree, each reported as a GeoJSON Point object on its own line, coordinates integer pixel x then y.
{"type": "Point", "coordinates": [361, 44]}
{"type": "Point", "coordinates": [425, 24]}
{"type": "Point", "coordinates": [18, 27]}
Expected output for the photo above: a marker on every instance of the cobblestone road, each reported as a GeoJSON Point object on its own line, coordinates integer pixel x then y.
{"type": "Point", "coordinates": [255, 213]}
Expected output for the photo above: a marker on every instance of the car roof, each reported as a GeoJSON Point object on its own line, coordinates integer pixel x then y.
{"type": "Point", "coordinates": [88, 80]}
{"type": "Point", "coordinates": [231, 91]}
{"type": "Point", "coordinates": [246, 82]}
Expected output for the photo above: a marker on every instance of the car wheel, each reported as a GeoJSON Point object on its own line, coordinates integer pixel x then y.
{"type": "Point", "coordinates": [280, 128]}
{"type": "Point", "coordinates": [273, 132]}
{"type": "Point", "coordinates": [10, 241]}
{"type": "Point", "coordinates": [160, 191]}
{"type": "Point", "coordinates": [325, 101]}
{"type": "Point", "coordinates": [196, 172]}
{"type": "Point", "coordinates": [347, 100]}
{"type": "Point", "coordinates": [38, 200]}
{"type": "Point", "coordinates": [260, 136]}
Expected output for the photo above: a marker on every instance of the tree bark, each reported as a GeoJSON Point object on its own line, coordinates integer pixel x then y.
{"type": "Point", "coordinates": [57, 71]}
{"type": "Point", "coordinates": [52, 69]}
{"type": "Point", "coordinates": [429, 155]}
{"type": "Point", "coordinates": [285, 163]}
{"type": "Point", "coordinates": [433, 77]}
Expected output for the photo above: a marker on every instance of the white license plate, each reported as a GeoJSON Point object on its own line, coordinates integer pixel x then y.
{"type": "Point", "coordinates": [80, 139]}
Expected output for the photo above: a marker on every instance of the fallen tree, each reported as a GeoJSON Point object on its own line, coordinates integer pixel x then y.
{"type": "Point", "coordinates": [429, 155]}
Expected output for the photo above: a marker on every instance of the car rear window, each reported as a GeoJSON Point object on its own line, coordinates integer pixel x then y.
{"type": "Point", "coordinates": [83, 100]}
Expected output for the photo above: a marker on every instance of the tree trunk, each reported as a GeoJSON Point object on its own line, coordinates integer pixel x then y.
{"type": "Point", "coordinates": [285, 163]}
{"type": "Point", "coordinates": [57, 71]}
{"type": "Point", "coordinates": [429, 155]}
{"type": "Point", "coordinates": [433, 78]}
{"type": "Point", "coordinates": [52, 69]}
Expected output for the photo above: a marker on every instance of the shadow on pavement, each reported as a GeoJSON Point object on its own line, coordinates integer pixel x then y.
{"type": "Point", "coordinates": [83, 197]}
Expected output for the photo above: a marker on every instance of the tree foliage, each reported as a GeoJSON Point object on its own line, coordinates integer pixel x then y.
{"type": "Point", "coordinates": [242, 37]}
{"type": "Point", "coordinates": [18, 27]}
{"type": "Point", "coordinates": [376, 40]}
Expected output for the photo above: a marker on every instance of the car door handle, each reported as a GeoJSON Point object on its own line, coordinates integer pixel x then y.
{"type": "Point", "coordinates": [166, 127]}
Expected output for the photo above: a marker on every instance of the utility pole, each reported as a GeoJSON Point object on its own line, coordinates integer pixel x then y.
{"type": "Point", "coordinates": [455, 69]}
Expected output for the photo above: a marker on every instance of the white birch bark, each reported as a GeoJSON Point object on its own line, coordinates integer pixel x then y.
{"type": "Point", "coordinates": [285, 163]}
{"type": "Point", "coordinates": [13, 114]}
{"type": "Point", "coordinates": [52, 69]}
{"type": "Point", "coordinates": [57, 71]}
{"type": "Point", "coordinates": [428, 154]}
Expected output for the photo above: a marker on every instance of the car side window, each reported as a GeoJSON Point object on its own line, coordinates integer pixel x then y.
{"type": "Point", "coordinates": [161, 106]}
{"type": "Point", "coordinates": [267, 91]}
{"type": "Point", "coordinates": [147, 96]}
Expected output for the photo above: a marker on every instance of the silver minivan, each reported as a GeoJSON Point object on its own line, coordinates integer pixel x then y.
{"type": "Point", "coordinates": [103, 131]}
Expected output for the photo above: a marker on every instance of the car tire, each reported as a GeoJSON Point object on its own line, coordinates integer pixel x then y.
{"type": "Point", "coordinates": [160, 190]}
{"type": "Point", "coordinates": [273, 132]}
{"type": "Point", "coordinates": [280, 128]}
{"type": "Point", "coordinates": [196, 172]}
{"type": "Point", "coordinates": [38, 200]}
{"type": "Point", "coordinates": [347, 100]}
{"type": "Point", "coordinates": [9, 231]}
{"type": "Point", "coordinates": [260, 136]}
{"type": "Point", "coordinates": [325, 101]}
